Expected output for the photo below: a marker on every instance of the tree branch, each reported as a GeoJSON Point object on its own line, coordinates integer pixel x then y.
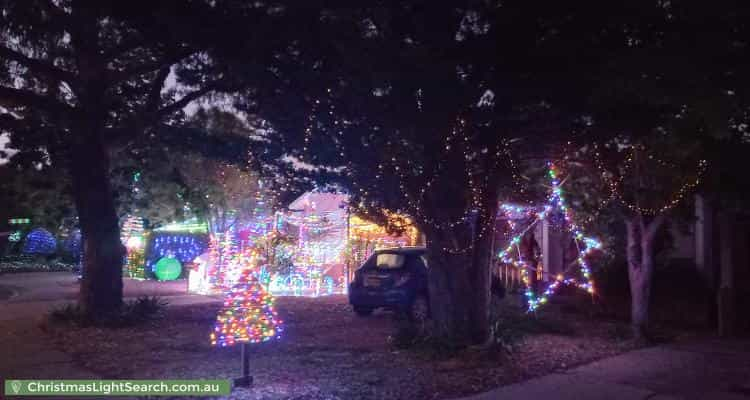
{"type": "Point", "coordinates": [123, 47]}
{"type": "Point", "coordinates": [10, 123]}
{"type": "Point", "coordinates": [37, 66]}
{"type": "Point", "coordinates": [165, 61]}
{"type": "Point", "coordinates": [185, 100]}
{"type": "Point", "coordinates": [10, 97]}
{"type": "Point", "coordinates": [152, 104]}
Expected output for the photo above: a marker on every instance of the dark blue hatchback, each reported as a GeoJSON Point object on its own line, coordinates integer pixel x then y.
{"type": "Point", "coordinates": [395, 279]}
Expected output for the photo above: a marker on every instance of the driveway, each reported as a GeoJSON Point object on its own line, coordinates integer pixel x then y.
{"type": "Point", "coordinates": [24, 300]}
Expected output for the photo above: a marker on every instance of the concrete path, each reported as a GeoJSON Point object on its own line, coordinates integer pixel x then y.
{"type": "Point", "coordinates": [708, 369]}
{"type": "Point", "coordinates": [33, 294]}
{"type": "Point", "coordinates": [47, 286]}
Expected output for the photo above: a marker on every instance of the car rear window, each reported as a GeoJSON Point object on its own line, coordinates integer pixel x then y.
{"type": "Point", "coordinates": [390, 261]}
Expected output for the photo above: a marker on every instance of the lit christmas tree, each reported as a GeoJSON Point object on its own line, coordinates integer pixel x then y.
{"type": "Point", "coordinates": [248, 316]}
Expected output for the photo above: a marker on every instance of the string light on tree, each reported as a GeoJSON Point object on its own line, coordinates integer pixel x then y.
{"type": "Point", "coordinates": [585, 245]}
{"type": "Point", "coordinates": [615, 182]}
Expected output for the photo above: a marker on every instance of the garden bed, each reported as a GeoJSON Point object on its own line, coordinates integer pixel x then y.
{"type": "Point", "coordinates": [329, 353]}
{"type": "Point", "coordinates": [13, 264]}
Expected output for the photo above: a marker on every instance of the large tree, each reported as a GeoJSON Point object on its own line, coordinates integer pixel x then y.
{"type": "Point", "coordinates": [659, 111]}
{"type": "Point", "coordinates": [418, 108]}
{"type": "Point", "coordinates": [82, 78]}
{"type": "Point", "coordinates": [225, 194]}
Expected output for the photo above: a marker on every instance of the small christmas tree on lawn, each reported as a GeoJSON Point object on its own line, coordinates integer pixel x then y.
{"type": "Point", "coordinates": [248, 316]}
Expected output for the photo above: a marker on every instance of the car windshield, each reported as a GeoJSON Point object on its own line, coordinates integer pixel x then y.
{"type": "Point", "coordinates": [389, 261]}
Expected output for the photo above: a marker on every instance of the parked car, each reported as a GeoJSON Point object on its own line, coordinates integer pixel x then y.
{"type": "Point", "coordinates": [394, 279]}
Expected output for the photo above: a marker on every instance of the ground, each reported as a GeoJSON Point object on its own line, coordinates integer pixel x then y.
{"type": "Point", "coordinates": [696, 369]}
{"type": "Point", "coordinates": [329, 353]}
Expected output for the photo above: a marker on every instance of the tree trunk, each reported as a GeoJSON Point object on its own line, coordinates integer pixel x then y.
{"type": "Point", "coordinates": [101, 287]}
{"type": "Point", "coordinates": [640, 256]}
{"type": "Point", "coordinates": [459, 283]}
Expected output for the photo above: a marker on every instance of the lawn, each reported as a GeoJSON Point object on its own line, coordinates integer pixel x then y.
{"type": "Point", "coordinates": [329, 353]}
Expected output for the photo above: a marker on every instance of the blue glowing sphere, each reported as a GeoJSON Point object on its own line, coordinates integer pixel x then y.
{"type": "Point", "coordinates": [39, 241]}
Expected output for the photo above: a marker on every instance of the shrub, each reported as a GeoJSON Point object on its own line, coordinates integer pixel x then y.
{"type": "Point", "coordinates": [33, 263]}
{"type": "Point", "coordinates": [511, 323]}
{"type": "Point", "coordinates": [134, 312]}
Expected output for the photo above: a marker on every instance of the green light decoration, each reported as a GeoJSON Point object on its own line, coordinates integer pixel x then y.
{"type": "Point", "coordinates": [15, 236]}
{"type": "Point", "coordinates": [184, 227]}
{"type": "Point", "coordinates": [19, 221]}
{"type": "Point", "coordinates": [168, 269]}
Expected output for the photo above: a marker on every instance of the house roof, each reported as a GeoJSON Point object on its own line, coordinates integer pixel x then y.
{"type": "Point", "coordinates": [314, 202]}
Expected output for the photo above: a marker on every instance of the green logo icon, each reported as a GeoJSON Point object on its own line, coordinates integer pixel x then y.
{"type": "Point", "coordinates": [15, 386]}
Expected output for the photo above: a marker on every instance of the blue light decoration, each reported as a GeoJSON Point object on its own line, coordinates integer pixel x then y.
{"type": "Point", "coordinates": [73, 245]}
{"type": "Point", "coordinates": [39, 241]}
{"type": "Point", "coordinates": [184, 247]}
{"type": "Point", "coordinates": [512, 255]}
{"type": "Point", "coordinates": [81, 260]}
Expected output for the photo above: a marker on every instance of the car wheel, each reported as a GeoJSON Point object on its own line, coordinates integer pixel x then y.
{"type": "Point", "coordinates": [363, 311]}
{"type": "Point", "coordinates": [419, 310]}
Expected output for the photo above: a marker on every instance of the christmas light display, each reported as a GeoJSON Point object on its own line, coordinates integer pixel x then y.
{"type": "Point", "coordinates": [303, 252]}
{"type": "Point", "coordinates": [192, 226]}
{"type": "Point", "coordinates": [39, 241]}
{"type": "Point", "coordinates": [72, 244]}
{"type": "Point", "coordinates": [132, 227]}
{"type": "Point", "coordinates": [615, 183]}
{"type": "Point", "coordinates": [220, 266]}
{"type": "Point", "coordinates": [303, 281]}
{"type": "Point", "coordinates": [184, 247]}
{"type": "Point", "coordinates": [15, 236]}
{"type": "Point", "coordinates": [81, 258]}
{"type": "Point", "coordinates": [223, 249]}
{"type": "Point", "coordinates": [19, 221]}
{"type": "Point", "coordinates": [247, 316]}
{"type": "Point", "coordinates": [132, 236]}
{"type": "Point", "coordinates": [167, 269]}
{"type": "Point", "coordinates": [198, 279]}
{"type": "Point", "coordinates": [512, 253]}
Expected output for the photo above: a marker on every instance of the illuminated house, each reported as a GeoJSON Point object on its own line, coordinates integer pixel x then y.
{"type": "Point", "coordinates": [309, 249]}
{"type": "Point", "coordinates": [328, 243]}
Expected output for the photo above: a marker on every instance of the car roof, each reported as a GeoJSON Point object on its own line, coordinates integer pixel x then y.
{"type": "Point", "coordinates": [402, 250]}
